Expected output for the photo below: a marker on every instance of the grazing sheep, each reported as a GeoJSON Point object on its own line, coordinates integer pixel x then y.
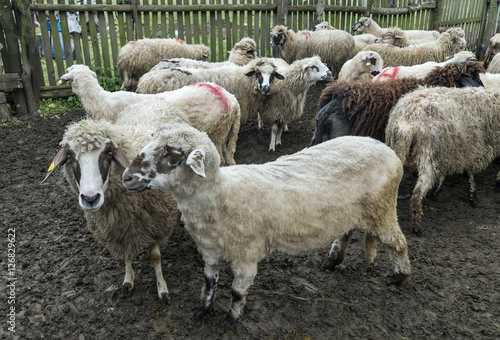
{"type": "Point", "coordinates": [362, 108]}
{"type": "Point", "coordinates": [138, 57]}
{"type": "Point", "coordinates": [444, 131]}
{"type": "Point", "coordinates": [313, 197]}
{"type": "Point", "coordinates": [493, 48]}
{"type": "Point", "coordinates": [208, 106]}
{"type": "Point", "coordinates": [364, 65]}
{"type": "Point", "coordinates": [494, 65]}
{"type": "Point", "coordinates": [286, 101]}
{"type": "Point", "coordinates": [94, 153]}
{"type": "Point", "coordinates": [393, 36]}
{"type": "Point", "coordinates": [241, 54]}
{"type": "Point", "coordinates": [449, 43]}
{"type": "Point", "coordinates": [414, 37]}
{"type": "Point", "coordinates": [421, 70]}
{"type": "Point", "coordinates": [249, 83]}
{"type": "Point", "coordinates": [334, 47]}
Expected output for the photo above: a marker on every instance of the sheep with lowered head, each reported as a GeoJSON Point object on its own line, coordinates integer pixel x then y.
{"type": "Point", "coordinates": [368, 25]}
{"type": "Point", "coordinates": [334, 47]}
{"type": "Point", "coordinates": [421, 70]}
{"type": "Point", "coordinates": [313, 197]}
{"type": "Point", "coordinates": [444, 131]}
{"type": "Point", "coordinates": [241, 54]}
{"type": "Point", "coordinates": [449, 43]}
{"type": "Point", "coordinates": [138, 57]}
{"type": "Point", "coordinates": [393, 36]}
{"type": "Point", "coordinates": [364, 65]}
{"type": "Point", "coordinates": [94, 153]}
{"type": "Point", "coordinates": [208, 106]}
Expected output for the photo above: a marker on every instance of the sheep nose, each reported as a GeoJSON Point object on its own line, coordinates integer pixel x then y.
{"type": "Point", "coordinates": [91, 200]}
{"type": "Point", "coordinates": [133, 183]}
{"type": "Point", "coordinates": [265, 90]}
{"type": "Point", "coordinates": [375, 73]}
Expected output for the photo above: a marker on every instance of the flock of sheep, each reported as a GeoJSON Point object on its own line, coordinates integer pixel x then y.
{"type": "Point", "coordinates": [174, 127]}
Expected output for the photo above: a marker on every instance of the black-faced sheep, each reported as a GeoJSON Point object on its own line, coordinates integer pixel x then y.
{"type": "Point", "coordinates": [421, 70]}
{"type": "Point", "coordinates": [208, 106]}
{"type": "Point", "coordinates": [138, 57]}
{"type": "Point", "coordinates": [313, 197]}
{"type": "Point", "coordinates": [444, 131]}
{"type": "Point", "coordinates": [334, 47]}
{"type": "Point", "coordinates": [94, 153]}
{"type": "Point", "coordinates": [249, 84]}
{"type": "Point", "coordinates": [448, 43]}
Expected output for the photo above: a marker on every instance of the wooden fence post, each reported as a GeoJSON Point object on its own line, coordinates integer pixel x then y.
{"type": "Point", "coordinates": [282, 12]}
{"type": "Point", "coordinates": [320, 9]}
{"type": "Point", "coordinates": [488, 28]}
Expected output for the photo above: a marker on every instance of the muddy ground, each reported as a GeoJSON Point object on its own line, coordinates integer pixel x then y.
{"type": "Point", "coordinates": [62, 273]}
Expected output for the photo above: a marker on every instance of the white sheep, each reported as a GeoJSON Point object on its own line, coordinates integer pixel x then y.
{"type": "Point", "coordinates": [415, 37]}
{"type": "Point", "coordinates": [490, 80]}
{"type": "Point", "coordinates": [138, 57]}
{"type": "Point", "coordinates": [449, 43]}
{"type": "Point", "coordinates": [444, 131]}
{"type": "Point", "coordinates": [494, 64]}
{"type": "Point", "coordinates": [360, 41]}
{"type": "Point", "coordinates": [313, 197]}
{"type": "Point", "coordinates": [94, 153]}
{"type": "Point", "coordinates": [286, 101]}
{"type": "Point", "coordinates": [393, 36]}
{"type": "Point", "coordinates": [493, 47]}
{"type": "Point", "coordinates": [421, 70]}
{"type": "Point", "coordinates": [241, 54]}
{"type": "Point", "coordinates": [249, 84]}
{"type": "Point", "coordinates": [325, 25]}
{"type": "Point", "coordinates": [334, 47]}
{"type": "Point", "coordinates": [208, 106]}
{"type": "Point", "coordinates": [364, 65]}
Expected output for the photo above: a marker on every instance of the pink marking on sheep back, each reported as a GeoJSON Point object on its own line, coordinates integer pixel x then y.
{"type": "Point", "coordinates": [432, 111]}
{"type": "Point", "coordinates": [390, 72]}
{"type": "Point", "coordinates": [307, 35]}
{"type": "Point", "coordinates": [132, 42]}
{"type": "Point", "coordinates": [217, 91]}
{"type": "Point", "coordinates": [180, 41]}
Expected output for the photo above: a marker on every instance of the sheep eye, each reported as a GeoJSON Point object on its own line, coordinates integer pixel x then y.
{"type": "Point", "coordinates": [315, 68]}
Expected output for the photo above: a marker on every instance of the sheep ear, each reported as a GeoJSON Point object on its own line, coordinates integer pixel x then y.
{"type": "Point", "coordinates": [368, 22]}
{"type": "Point", "coordinates": [251, 73]}
{"type": "Point", "coordinates": [196, 161]}
{"type": "Point", "coordinates": [278, 76]}
{"type": "Point", "coordinates": [121, 158]}
{"type": "Point", "coordinates": [399, 35]}
{"type": "Point", "coordinates": [59, 159]}
{"type": "Point", "coordinates": [366, 61]}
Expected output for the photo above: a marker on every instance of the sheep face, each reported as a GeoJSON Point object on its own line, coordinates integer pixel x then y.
{"type": "Point", "coordinates": [393, 36]}
{"type": "Point", "coordinates": [72, 72]}
{"type": "Point", "coordinates": [278, 36]}
{"type": "Point", "coordinates": [317, 70]}
{"type": "Point", "coordinates": [264, 73]}
{"type": "Point", "coordinates": [90, 170]}
{"type": "Point", "coordinates": [361, 24]}
{"type": "Point", "coordinates": [323, 26]}
{"type": "Point", "coordinates": [176, 155]}
{"type": "Point", "coordinates": [457, 36]}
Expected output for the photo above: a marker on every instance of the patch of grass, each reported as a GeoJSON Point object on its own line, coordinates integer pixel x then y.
{"type": "Point", "coordinates": [48, 108]}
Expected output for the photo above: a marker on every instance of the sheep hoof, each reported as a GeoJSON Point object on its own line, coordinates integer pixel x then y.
{"type": "Point", "coordinates": [165, 297]}
{"type": "Point", "coordinates": [331, 264]}
{"type": "Point", "coordinates": [417, 229]}
{"type": "Point", "coordinates": [398, 278]}
{"type": "Point", "coordinates": [229, 322]}
{"type": "Point", "coordinates": [124, 292]}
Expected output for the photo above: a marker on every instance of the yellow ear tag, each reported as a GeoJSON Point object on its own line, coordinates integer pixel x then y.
{"type": "Point", "coordinates": [368, 64]}
{"type": "Point", "coordinates": [60, 81]}
{"type": "Point", "coordinates": [366, 24]}
{"type": "Point", "coordinates": [51, 167]}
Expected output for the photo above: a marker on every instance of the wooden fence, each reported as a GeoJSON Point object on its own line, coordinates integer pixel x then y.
{"type": "Point", "coordinates": [106, 25]}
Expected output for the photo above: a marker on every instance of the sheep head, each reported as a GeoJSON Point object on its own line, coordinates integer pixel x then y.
{"type": "Point", "coordinates": [362, 22]}
{"type": "Point", "coordinates": [457, 36]}
{"type": "Point", "coordinates": [90, 157]}
{"type": "Point", "coordinates": [73, 71]}
{"type": "Point", "coordinates": [278, 36]}
{"type": "Point", "coordinates": [265, 71]}
{"type": "Point", "coordinates": [323, 26]}
{"type": "Point", "coordinates": [179, 158]}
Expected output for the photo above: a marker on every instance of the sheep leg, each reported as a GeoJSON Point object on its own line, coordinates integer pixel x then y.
{"type": "Point", "coordinates": [244, 275]}
{"type": "Point", "coordinates": [421, 189]}
{"type": "Point", "coordinates": [397, 247]}
{"type": "Point", "coordinates": [259, 121]}
{"type": "Point", "coordinates": [280, 131]}
{"type": "Point", "coordinates": [434, 194]}
{"type": "Point", "coordinates": [274, 132]}
{"type": "Point", "coordinates": [338, 251]}
{"type": "Point", "coordinates": [472, 191]}
{"type": "Point", "coordinates": [155, 256]}
{"type": "Point", "coordinates": [208, 292]}
{"type": "Point", "coordinates": [370, 247]}
{"type": "Point", "coordinates": [127, 287]}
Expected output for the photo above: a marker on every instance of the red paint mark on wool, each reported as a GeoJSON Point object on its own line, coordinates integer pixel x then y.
{"type": "Point", "coordinates": [217, 91]}
{"type": "Point", "coordinates": [132, 42]}
{"type": "Point", "coordinates": [390, 72]}
{"type": "Point", "coordinates": [307, 35]}
{"type": "Point", "coordinates": [180, 41]}
{"type": "Point", "coordinates": [431, 111]}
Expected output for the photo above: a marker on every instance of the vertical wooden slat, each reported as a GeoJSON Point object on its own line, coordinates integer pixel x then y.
{"type": "Point", "coordinates": [154, 21]}
{"type": "Point", "coordinates": [163, 20]}
{"type": "Point", "coordinates": [103, 34]}
{"type": "Point", "coordinates": [44, 29]}
{"type": "Point", "coordinates": [129, 20]}
{"type": "Point", "coordinates": [220, 35]}
{"type": "Point", "coordinates": [113, 37]}
{"type": "Point", "coordinates": [229, 31]}
{"type": "Point", "coordinates": [213, 36]}
{"type": "Point", "coordinates": [122, 29]}
{"type": "Point", "coordinates": [171, 22]}
{"type": "Point", "coordinates": [187, 25]}
{"type": "Point", "coordinates": [204, 33]}
{"type": "Point", "coordinates": [196, 25]}
{"type": "Point", "coordinates": [180, 25]}
{"type": "Point", "coordinates": [56, 44]}
{"type": "Point", "coordinates": [256, 30]}
{"type": "Point", "coordinates": [146, 20]}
